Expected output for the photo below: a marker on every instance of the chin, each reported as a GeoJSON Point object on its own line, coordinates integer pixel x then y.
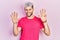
{"type": "Point", "coordinates": [28, 16]}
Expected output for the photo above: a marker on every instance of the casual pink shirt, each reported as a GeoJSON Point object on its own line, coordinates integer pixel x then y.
{"type": "Point", "coordinates": [30, 28]}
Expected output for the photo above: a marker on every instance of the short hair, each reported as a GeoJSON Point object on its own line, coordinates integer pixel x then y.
{"type": "Point", "coordinates": [28, 4]}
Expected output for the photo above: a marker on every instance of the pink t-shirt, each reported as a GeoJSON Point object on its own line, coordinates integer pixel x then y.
{"type": "Point", "coordinates": [30, 28]}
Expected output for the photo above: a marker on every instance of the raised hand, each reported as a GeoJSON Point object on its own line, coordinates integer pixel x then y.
{"type": "Point", "coordinates": [43, 15]}
{"type": "Point", "coordinates": [14, 17]}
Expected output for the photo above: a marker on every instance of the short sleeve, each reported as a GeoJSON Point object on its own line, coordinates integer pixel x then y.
{"type": "Point", "coordinates": [41, 23]}
{"type": "Point", "coordinates": [19, 23]}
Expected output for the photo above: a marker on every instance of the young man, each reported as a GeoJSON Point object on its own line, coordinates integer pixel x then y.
{"type": "Point", "coordinates": [30, 25]}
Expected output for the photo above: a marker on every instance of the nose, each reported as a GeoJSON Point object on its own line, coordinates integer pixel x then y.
{"type": "Point", "coordinates": [27, 11]}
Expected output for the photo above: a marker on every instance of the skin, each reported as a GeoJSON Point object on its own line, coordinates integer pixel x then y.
{"type": "Point", "coordinates": [29, 13]}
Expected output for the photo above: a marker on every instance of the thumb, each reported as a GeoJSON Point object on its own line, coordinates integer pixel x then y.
{"type": "Point", "coordinates": [39, 16]}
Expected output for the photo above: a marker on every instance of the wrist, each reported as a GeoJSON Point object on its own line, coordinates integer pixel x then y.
{"type": "Point", "coordinates": [45, 21]}
{"type": "Point", "coordinates": [15, 23]}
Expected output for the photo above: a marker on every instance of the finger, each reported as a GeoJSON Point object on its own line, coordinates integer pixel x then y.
{"type": "Point", "coordinates": [44, 10]}
{"type": "Point", "coordinates": [39, 15]}
{"type": "Point", "coordinates": [40, 11]}
{"type": "Point", "coordinates": [16, 14]}
{"type": "Point", "coordinates": [11, 15]}
{"type": "Point", "coordinates": [45, 15]}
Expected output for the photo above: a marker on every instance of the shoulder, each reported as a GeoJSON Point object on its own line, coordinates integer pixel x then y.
{"type": "Point", "coordinates": [37, 18]}
{"type": "Point", "coordinates": [21, 19]}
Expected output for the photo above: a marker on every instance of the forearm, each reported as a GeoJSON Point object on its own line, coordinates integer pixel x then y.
{"type": "Point", "coordinates": [15, 29]}
{"type": "Point", "coordinates": [46, 29]}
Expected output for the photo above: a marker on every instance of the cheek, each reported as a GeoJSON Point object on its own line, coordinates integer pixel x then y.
{"type": "Point", "coordinates": [26, 11]}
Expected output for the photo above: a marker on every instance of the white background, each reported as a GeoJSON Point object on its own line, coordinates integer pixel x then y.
{"type": "Point", "coordinates": [53, 16]}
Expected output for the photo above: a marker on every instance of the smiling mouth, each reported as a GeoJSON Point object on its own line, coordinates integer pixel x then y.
{"type": "Point", "coordinates": [29, 15]}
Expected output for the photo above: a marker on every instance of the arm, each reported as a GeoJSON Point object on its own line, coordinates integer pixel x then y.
{"type": "Point", "coordinates": [14, 18]}
{"type": "Point", "coordinates": [43, 17]}
{"type": "Point", "coordinates": [16, 29]}
{"type": "Point", "coordinates": [46, 29]}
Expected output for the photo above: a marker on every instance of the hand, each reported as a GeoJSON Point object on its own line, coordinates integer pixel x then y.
{"type": "Point", "coordinates": [43, 15]}
{"type": "Point", "coordinates": [14, 16]}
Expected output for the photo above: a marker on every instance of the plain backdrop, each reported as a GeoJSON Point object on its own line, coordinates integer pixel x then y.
{"type": "Point", "coordinates": [53, 16]}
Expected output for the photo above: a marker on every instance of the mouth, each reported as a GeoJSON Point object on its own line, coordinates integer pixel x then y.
{"type": "Point", "coordinates": [29, 15]}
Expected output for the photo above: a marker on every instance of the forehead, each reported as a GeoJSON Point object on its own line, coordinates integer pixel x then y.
{"type": "Point", "coordinates": [29, 7]}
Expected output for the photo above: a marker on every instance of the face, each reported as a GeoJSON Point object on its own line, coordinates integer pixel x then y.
{"type": "Point", "coordinates": [29, 11]}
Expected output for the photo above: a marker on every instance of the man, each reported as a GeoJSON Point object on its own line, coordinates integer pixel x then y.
{"type": "Point", "coordinates": [30, 25]}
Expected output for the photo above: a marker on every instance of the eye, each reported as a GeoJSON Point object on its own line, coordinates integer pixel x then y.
{"type": "Point", "coordinates": [25, 9]}
{"type": "Point", "coordinates": [29, 9]}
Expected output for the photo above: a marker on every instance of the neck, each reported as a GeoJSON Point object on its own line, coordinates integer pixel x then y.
{"type": "Point", "coordinates": [31, 17]}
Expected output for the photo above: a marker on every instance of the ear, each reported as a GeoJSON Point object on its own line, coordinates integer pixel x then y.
{"type": "Point", "coordinates": [33, 9]}
{"type": "Point", "coordinates": [24, 8]}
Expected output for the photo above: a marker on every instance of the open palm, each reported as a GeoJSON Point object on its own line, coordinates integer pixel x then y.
{"type": "Point", "coordinates": [14, 17]}
{"type": "Point", "coordinates": [43, 15]}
